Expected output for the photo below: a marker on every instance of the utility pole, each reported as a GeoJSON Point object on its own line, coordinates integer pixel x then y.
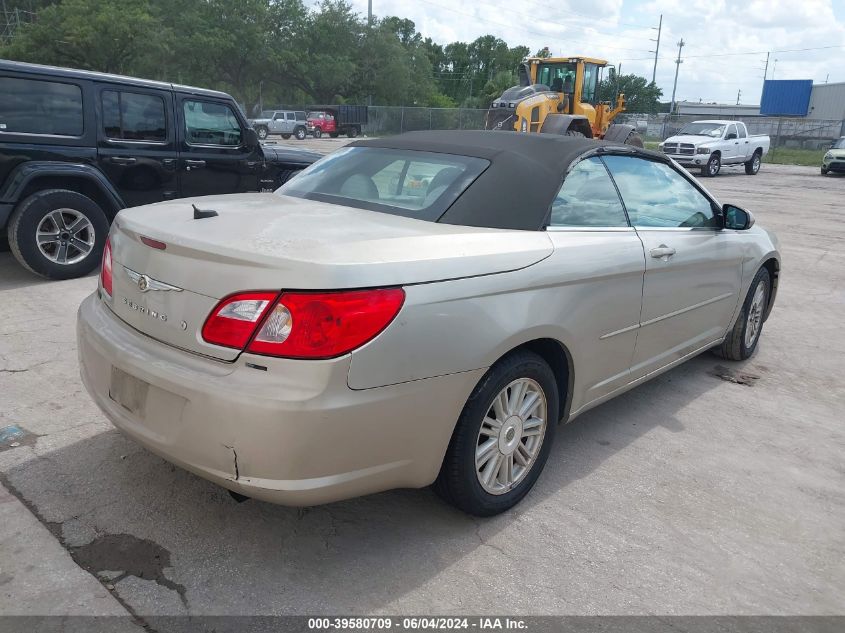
{"type": "Point", "coordinates": [369, 12]}
{"type": "Point", "coordinates": [678, 63]}
{"type": "Point", "coordinates": [656, 48]}
{"type": "Point", "coordinates": [738, 95]}
{"type": "Point", "coordinates": [765, 76]}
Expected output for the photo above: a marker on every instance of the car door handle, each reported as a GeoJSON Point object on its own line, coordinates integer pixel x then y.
{"type": "Point", "coordinates": [253, 163]}
{"type": "Point", "coordinates": [123, 160]}
{"type": "Point", "coordinates": [194, 164]}
{"type": "Point", "coordinates": [662, 252]}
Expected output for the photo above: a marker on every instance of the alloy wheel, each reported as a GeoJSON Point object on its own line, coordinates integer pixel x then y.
{"type": "Point", "coordinates": [511, 436]}
{"type": "Point", "coordinates": [755, 315]}
{"type": "Point", "coordinates": [65, 236]}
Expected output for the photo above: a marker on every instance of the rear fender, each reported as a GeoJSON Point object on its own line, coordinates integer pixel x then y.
{"type": "Point", "coordinates": [562, 123]}
{"type": "Point", "coordinates": [17, 184]}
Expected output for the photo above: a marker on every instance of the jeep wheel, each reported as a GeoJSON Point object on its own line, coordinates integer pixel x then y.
{"type": "Point", "coordinates": [58, 234]}
{"type": "Point", "coordinates": [286, 136]}
{"type": "Point", "coordinates": [262, 132]}
{"type": "Point", "coordinates": [300, 133]}
{"type": "Point", "coordinates": [317, 132]}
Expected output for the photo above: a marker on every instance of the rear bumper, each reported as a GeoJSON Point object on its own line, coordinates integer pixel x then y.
{"type": "Point", "coordinates": [295, 434]}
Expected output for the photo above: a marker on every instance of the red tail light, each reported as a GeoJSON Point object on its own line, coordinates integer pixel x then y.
{"type": "Point", "coordinates": [106, 270]}
{"type": "Point", "coordinates": [235, 318]}
{"type": "Point", "coordinates": [305, 324]}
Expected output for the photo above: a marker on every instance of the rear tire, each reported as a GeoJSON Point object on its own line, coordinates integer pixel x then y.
{"type": "Point", "coordinates": [711, 169]}
{"type": "Point", "coordinates": [262, 132]}
{"type": "Point", "coordinates": [334, 134]}
{"type": "Point", "coordinates": [483, 490]}
{"type": "Point", "coordinates": [742, 340]}
{"type": "Point", "coordinates": [286, 136]}
{"type": "Point", "coordinates": [58, 234]}
{"type": "Point", "coordinates": [753, 166]}
{"type": "Point", "coordinates": [352, 132]}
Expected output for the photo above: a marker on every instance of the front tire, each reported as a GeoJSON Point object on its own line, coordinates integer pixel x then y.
{"type": "Point", "coordinates": [503, 437]}
{"type": "Point", "coordinates": [824, 171]}
{"type": "Point", "coordinates": [300, 134]}
{"type": "Point", "coordinates": [286, 136]}
{"type": "Point", "coordinates": [745, 334]}
{"type": "Point", "coordinates": [753, 165]}
{"type": "Point", "coordinates": [317, 132]}
{"type": "Point", "coordinates": [711, 169]}
{"type": "Point", "coordinates": [58, 234]}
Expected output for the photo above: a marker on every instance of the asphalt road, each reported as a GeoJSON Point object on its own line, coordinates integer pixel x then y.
{"type": "Point", "coordinates": [717, 488]}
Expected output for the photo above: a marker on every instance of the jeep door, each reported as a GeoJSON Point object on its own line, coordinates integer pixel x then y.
{"type": "Point", "coordinates": [214, 152]}
{"type": "Point", "coordinates": [277, 123]}
{"type": "Point", "coordinates": [136, 142]}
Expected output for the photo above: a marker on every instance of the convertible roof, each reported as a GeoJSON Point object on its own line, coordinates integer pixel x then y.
{"type": "Point", "coordinates": [525, 173]}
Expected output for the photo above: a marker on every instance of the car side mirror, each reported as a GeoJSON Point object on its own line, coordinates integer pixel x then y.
{"type": "Point", "coordinates": [737, 218]}
{"type": "Point", "coordinates": [251, 138]}
{"type": "Point", "coordinates": [730, 136]}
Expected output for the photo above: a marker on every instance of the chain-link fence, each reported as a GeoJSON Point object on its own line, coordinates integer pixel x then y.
{"type": "Point", "coordinates": [784, 132]}
{"type": "Point", "coordinates": [384, 120]}
{"type": "Point", "coordinates": [801, 133]}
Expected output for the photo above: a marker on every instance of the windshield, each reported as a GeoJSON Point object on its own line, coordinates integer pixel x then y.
{"type": "Point", "coordinates": [409, 183]}
{"type": "Point", "coordinates": [840, 144]}
{"type": "Point", "coordinates": [713, 130]}
{"type": "Point", "coordinates": [267, 114]}
{"type": "Point", "coordinates": [559, 77]}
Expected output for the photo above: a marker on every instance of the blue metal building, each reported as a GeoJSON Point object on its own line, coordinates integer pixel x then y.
{"type": "Point", "coordinates": [786, 97]}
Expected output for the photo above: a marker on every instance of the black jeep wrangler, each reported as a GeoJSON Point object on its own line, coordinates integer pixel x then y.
{"type": "Point", "coordinates": [76, 147]}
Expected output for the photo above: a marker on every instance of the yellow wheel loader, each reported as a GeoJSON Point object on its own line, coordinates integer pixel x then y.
{"type": "Point", "coordinates": [558, 95]}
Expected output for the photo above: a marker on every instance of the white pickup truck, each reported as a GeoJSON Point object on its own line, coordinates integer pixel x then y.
{"type": "Point", "coordinates": [708, 145]}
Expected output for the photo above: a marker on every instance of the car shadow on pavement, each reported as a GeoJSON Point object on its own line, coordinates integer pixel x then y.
{"type": "Point", "coordinates": [171, 543]}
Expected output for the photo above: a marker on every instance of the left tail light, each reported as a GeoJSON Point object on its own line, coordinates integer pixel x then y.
{"type": "Point", "coordinates": [106, 269]}
{"type": "Point", "coordinates": [310, 325]}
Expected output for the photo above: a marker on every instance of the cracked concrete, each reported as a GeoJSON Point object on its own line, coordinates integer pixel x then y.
{"type": "Point", "coordinates": [692, 494]}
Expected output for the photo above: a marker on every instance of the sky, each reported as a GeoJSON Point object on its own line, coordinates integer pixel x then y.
{"type": "Point", "coordinates": [725, 41]}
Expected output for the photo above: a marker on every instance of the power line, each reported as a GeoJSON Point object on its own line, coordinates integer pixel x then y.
{"type": "Point", "coordinates": [790, 50]}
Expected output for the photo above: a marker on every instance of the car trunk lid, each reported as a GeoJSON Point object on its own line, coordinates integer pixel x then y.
{"type": "Point", "coordinates": [269, 242]}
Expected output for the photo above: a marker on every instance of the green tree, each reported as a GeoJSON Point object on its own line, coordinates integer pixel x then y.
{"type": "Point", "coordinates": [641, 95]}
{"type": "Point", "coordinates": [118, 36]}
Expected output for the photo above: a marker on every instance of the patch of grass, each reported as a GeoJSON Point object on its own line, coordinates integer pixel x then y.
{"type": "Point", "coordinates": [795, 156]}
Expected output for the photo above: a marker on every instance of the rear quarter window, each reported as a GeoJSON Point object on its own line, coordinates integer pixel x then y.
{"type": "Point", "coordinates": [34, 106]}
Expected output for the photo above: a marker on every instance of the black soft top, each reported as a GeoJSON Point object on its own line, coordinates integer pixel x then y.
{"type": "Point", "coordinates": [525, 173]}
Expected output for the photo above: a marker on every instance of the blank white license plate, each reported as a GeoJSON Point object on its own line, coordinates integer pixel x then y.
{"type": "Point", "coordinates": [129, 392]}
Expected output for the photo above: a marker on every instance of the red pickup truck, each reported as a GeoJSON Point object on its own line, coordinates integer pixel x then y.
{"type": "Point", "coordinates": [336, 120]}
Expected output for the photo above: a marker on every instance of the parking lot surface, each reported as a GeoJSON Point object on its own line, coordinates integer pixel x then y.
{"type": "Point", "coordinates": [717, 488]}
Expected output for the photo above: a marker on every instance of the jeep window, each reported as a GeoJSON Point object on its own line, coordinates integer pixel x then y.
{"type": "Point", "coordinates": [131, 116]}
{"type": "Point", "coordinates": [209, 123]}
{"type": "Point", "coordinates": [290, 116]}
{"type": "Point", "coordinates": [300, 116]}
{"type": "Point", "coordinates": [31, 106]}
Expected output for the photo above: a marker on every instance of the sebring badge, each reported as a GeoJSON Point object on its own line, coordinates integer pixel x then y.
{"type": "Point", "coordinates": [145, 283]}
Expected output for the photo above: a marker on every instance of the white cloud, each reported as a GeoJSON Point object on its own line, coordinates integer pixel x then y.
{"type": "Point", "coordinates": [619, 31]}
